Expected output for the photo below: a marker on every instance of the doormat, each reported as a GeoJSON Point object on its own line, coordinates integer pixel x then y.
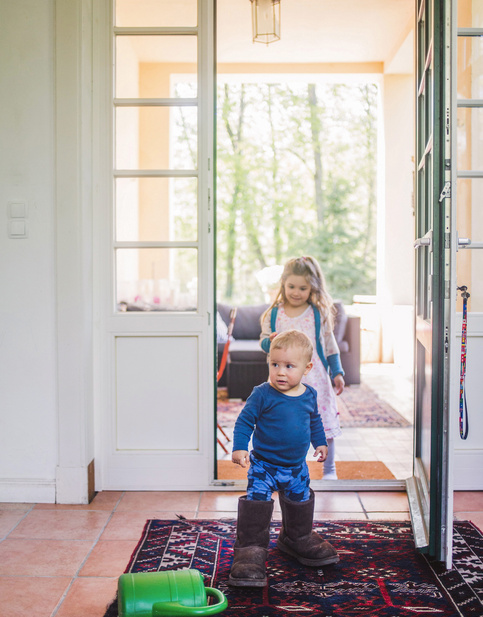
{"type": "Point", "coordinates": [359, 407]}
{"type": "Point", "coordinates": [379, 573]}
{"type": "Point", "coordinates": [346, 470]}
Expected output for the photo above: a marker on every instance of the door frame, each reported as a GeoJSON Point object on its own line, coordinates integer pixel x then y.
{"type": "Point", "coordinates": [430, 498]}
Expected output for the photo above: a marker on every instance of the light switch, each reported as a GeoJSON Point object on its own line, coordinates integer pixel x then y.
{"type": "Point", "coordinates": [17, 209]}
{"type": "Point", "coordinates": [17, 229]}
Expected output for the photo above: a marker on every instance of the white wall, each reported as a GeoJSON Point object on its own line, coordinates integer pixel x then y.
{"type": "Point", "coordinates": [28, 420]}
{"type": "Point", "coordinates": [396, 233]}
{"type": "Point", "coordinates": [468, 454]}
{"type": "Point", "coordinates": [46, 430]}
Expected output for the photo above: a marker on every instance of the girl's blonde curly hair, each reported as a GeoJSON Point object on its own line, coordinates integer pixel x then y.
{"type": "Point", "coordinates": [309, 268]}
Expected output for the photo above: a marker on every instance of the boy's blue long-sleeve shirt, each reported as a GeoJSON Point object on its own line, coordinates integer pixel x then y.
{"type": "Point", "coordinates": [283, 426]}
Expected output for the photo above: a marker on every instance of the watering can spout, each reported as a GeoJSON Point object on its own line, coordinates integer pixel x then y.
{"type": "Point", "coordinates": [175, 593]}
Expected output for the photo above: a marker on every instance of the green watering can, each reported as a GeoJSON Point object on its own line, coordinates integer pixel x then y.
{"type": "Point", "coordinates": [175, 593]}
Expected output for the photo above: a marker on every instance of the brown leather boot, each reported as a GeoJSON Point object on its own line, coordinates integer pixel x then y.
{"type": "Point", "coordinates": [252, 538]}
{"type": "Point", "coordinates": [297, 537]}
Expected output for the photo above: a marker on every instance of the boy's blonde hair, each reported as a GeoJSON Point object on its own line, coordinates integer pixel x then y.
{"type": "Point", "coordinates": [309, 268]}
{"type": "Point", "coordinates": [293, 338]}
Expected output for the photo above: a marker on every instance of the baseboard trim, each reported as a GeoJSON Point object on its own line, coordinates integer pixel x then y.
{"type": "Point", "coordinates": [27, 490]}
{"type": "Point", "coordinates": [465, 464]}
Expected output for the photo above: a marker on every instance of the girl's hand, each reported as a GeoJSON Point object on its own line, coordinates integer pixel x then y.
{"type": "Point", "coordinates": [273, 335]}
{"type": "Point", "coordinates": [339, 384]}
{"type": "Point", "coordinates": [321, 452]}
{"type": "Point", "coordinates": [240, 457]}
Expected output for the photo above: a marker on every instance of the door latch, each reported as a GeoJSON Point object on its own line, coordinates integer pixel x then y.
{"type": "Point", "coordinates": [446, 192]}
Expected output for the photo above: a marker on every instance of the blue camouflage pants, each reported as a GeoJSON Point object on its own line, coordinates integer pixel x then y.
{"type": "Point", "coordinates": [264, 478]}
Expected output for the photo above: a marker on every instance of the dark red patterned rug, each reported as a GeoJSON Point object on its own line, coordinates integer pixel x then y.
{"type": "Point", "coordinates": [380, 572]}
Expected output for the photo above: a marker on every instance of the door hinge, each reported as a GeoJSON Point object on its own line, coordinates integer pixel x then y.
{"type": "Point", "coordinates": [209, 228]}
{"type": "Point", "coordinates": [446, 192]}
{"type": "Point", "coordinates": [209, 199]}
{"type": "Point", "coordinates": [446, 341]}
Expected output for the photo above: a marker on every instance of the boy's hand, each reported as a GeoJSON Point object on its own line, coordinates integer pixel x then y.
{"type": "Point", "coordinates": [339, 384]}
{"type": "Point", "coordinates": [240, 457]}
{"type": "Point", "coordinates": [272, 336]}
{"type": "Point", "coordinates": [321, 452]}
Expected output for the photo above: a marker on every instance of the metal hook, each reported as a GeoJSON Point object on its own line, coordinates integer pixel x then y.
{"type": "Point", "coordinates": [464, 292]}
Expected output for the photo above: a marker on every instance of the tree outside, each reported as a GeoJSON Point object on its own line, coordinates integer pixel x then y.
{"type": "Point", "coordinates": [296, 174]}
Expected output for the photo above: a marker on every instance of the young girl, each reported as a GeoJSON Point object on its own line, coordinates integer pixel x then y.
{"type": "Point", "coordinates": [303, 303]}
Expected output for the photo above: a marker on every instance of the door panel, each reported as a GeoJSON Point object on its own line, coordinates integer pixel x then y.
{"type": "Point", "coordinates": [429, 488]}
{"type": "Point", "coordinates": [155, 245]}
{"type": "Point", "coordinates": [155, 410]}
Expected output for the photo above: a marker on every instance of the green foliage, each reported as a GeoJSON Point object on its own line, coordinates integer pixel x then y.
{"type": "Point", "coordinates": [296, 174]}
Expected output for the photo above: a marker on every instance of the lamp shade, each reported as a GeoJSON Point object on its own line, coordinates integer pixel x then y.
{"type": "Point", "coordinates": [265, 21]}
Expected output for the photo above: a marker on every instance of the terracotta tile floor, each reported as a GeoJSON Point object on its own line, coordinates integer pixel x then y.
{"type": "Point", "coordinates": [64, 561]}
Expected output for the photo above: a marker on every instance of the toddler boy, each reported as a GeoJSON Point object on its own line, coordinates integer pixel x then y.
{"type": "Point", "coordinates": [282, 415]}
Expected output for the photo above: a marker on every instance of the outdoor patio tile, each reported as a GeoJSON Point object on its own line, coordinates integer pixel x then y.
{"type": "Point", "coordinates": [339, 516]}
{"type": "Point", "coordinates": [19, 595]}
{"type": "Point", "coordinates": [105, 500]}
{"type": "Point", "coordinates": [468, 501]}
{"type": "Point", "coordinates": [384, 501]}
{"type": "Point", "coordinates": [129, 525]}
{"type": "Point", "coordinates": [337, 502]}
{"type": "Point", "coordinates": [61, 525]}
{"type": "Point", "coordinates": [42, 557]}
{"type": "Point", "coordinates": [8, 520]}
{"type": "Point", "coordinates": [109, 558]}
{"type": "Point", "coordinates": [159, 500]}
{"type": "Point", "coordinates": [88, 597]}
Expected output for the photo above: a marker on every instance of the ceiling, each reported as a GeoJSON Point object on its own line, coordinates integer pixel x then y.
{"type": "Point", "coordinates": [328, 31]}
{"type": "Point", "coordinates": [312, 31]}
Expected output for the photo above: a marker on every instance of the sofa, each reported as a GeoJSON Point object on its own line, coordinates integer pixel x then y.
{"type": "Point", "coordinates": [247, 362]}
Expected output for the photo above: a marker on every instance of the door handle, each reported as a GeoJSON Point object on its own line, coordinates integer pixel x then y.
{"type": "Point", "coordinates": [466, 243]}
{"type": "Point", "coordinates": [426, 240]}
{"type": "Point", "coordinates": [422, 242]}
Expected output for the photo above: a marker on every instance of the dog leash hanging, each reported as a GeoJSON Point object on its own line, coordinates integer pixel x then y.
{"type": "Point", "coordinates": [463, 407]}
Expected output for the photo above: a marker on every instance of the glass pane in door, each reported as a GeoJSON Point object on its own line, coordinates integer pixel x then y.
{"type": "Point", "coordinates": [156, 137]}
{"type": "Point", "coordinates": [470, 138]}
{"type": "Point", "coordinates": [157, 65]}
{"type": "Point", "coordinates": [470, 64]}
{"type": "Point", "coordinates": [470, 14]}
{"type": "Point", "coordinates": [156, 209]}
{"type": "Point", "coordinates": [157, 279]}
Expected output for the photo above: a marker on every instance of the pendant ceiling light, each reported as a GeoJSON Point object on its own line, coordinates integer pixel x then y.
{"type": "Point", "coordinates": [265, 21]}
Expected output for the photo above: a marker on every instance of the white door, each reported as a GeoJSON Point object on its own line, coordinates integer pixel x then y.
{"type": "Point", "coordinates": [154, 248]}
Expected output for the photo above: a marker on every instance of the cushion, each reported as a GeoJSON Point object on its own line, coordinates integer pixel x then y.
{"type": "Point", "coordinates": [247, 322]}
{"type": "Point", "coordinates": [340, 323]}
{"type": "Point", "coordinates": [247, 351]}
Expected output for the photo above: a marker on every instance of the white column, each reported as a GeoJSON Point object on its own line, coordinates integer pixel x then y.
{"type": "Point", "coordinates": [73, 97]}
